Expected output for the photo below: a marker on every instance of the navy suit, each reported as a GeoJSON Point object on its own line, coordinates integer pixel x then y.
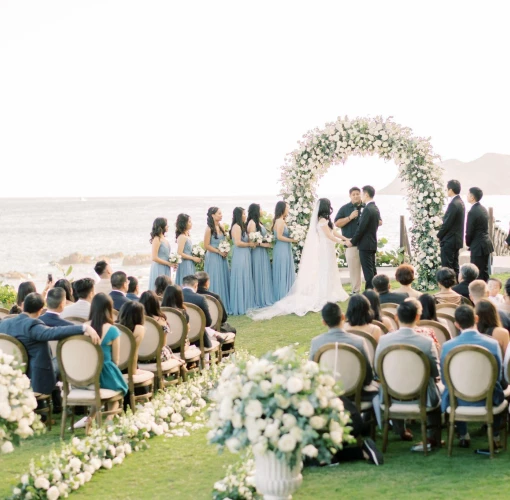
{"type": "Point", "coordinates": [34, 335]}
{"type": "Point", "coordinates": [194, 298]}
{"type": "Point", "coordinates": [133, 297]}
{"type": "Point", "coordinates": [53, 319]}
{"type": "Point", "coordinates": [119, 299]}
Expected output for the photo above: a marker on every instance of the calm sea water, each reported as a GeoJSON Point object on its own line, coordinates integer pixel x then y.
{"type": "Point", "coordinates": [35, 232]}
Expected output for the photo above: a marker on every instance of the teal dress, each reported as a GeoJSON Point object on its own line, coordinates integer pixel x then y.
{"type": "Point", "coordinates": [262, 275]}
{"type": "Point", "coordinates": [284, 272]}
{"type": "Point", "coordinates": [186, 267]}
{"type": "Point", "coordinates": [241, 280]}
{"type": "Point", "coordinates": [160, 269]}
{"type": "Point", "coordinates": [219, 274]}
{"type": "Point", "coordinates": [111, 377]}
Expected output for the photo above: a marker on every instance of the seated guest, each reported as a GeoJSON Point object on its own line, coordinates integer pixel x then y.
{"type": "Point", "coordinates": [203, 289]}
{"type": "Point", "coordinates": [104, 271]}
{"type": "Point", "coordinates": [478, 290]}
{"type": "Point", "coordinates": [84, 290]}
{"type": "Point", "coordinates": [446, 280]}
{"type": "Point", "coordinates": [408, 317]}
{"type": "Point", "coordinates": [465, 322]}
{"type": "Point", "coordinates": [505, 306]}
{"type": "Point", "coordinates": [173, 297]}
{"type": "Point", "coordinates": [160, 285]}
{"type": "Point", "coordinates": [405, 276]}
{"type": "Point", "coordinates": [120, 285]}
{"type": "Point", "coordinates": [495, 285]}
{"type": "Point", "coordinates": [66, 286]}
{"type": "Point", "coordinates": [25, 288]}
{"type": "Point", "coordinates": [489, 323]}
{"type": "Point", "coordinates": [133, 292]}
{"type": "Point", "coordinates": [468, 273]}
{"type": "Point", "coordinates": [333, 318]}
{"type": "Point", "coordinates": [132, 316]}
{"type": "Point", "coordinates": [55, 302]}
{"type": "Point", "coordinates": [429, 311]}
{"type": "Point", "coordinates": [34, 335]}
{"type": "Point", "coordinates": [382, 286]}
{"type": "Point", "coordinates": [425, 330]}
{"type": "Point", "coordinates": [375, 306]}
{"type": "Point", "coordinates": [359, 316]}
{"type": "Point", "coordinates": [189, 292]}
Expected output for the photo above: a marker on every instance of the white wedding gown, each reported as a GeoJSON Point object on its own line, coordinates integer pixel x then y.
{"type": "Point", "coordinates": [318, 280]}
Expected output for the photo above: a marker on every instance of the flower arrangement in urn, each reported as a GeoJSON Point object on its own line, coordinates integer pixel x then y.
{"type": "Point", "coordinates": [280, 404]}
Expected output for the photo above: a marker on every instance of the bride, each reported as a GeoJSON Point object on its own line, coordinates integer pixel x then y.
{"type": "Point", "coordinates": [318, 280]}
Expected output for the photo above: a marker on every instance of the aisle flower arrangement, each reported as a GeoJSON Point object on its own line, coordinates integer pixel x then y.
{"type": "Point", "coordinates": [335, 143]}
{"type": "Point", "coordinates": [17, 404]}
{"type": "Point", "coordinates": [239, 481]}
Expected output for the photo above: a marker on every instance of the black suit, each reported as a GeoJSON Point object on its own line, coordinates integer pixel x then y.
{"type": "Point", "coordinates": [194, 298]}
{"type": "Point", "coordinates": [34, 335]}
{"type": "Point", "coordinates": [392, 298]}
{"type": "Point", "coordinates": [451, 234]}
{"type": "Point", "coordinates": [462, 289]}
{"type": "Point", "coordinates": [365, 238]}
{"type": "Point", "coordinates": [119, 299]}
{"type": "Point", "coordinates": [478, 239]}
{"type": "Point", "coordinates": [53, 319]}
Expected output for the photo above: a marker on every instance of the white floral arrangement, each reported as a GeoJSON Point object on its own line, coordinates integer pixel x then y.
{"type": "Point", "coordinates": [267, 238]}
{"type": "Point", "coordinates": [298, 233]}
{"type": "Point", "coordinates": [17, 404]}
{"type": "Point", "coordinates": [239, 482]}
{"type": "Point", "coordinates": [256, 237]}
{"type": "Point", "coordinates": [198, 251]}
{"type": "Point", "coordinates": [281, 403]}
{"type": "Point", "coordinates": [335, 143]}
{"type": "Point", "coordinates": [224, 246]}
{"type": "Point", "coordinates": [175, 258]}
{"type": "Point", "coordinates": [63, 471]}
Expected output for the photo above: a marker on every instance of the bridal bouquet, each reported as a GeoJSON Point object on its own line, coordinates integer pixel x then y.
{"type": "Point", "coordinates": [281, 403]}
{"type": "Point", "coordinates": [224, 246]}
{"type": "Point", "coordinates": [175, 258]}
{"type": "Point", "coordinates": [256, 237]}
{"type": "Point", "coordinates": [17, 404]}
{"type": "Point", "coordinates": [198, 251]}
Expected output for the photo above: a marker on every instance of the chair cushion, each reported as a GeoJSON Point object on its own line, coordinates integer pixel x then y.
{"type": "Point", "coordinates": [143, 376]}
{"type": "Point", "coordinates": [476, 411]}
{"type": "Point", "coordinates": [89, 395]}
{"type": "Point", "coordinates": [192, 353]}
{"type": "Point", "coordinates": [166, 366]}
{"type": "Point", "coordinates": [411, 408]}
{"type": "Point", "coordinates": [214, 347]}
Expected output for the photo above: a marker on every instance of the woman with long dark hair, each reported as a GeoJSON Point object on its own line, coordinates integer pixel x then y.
{"type": "Point", "coordinates": [241, 276]}
{"type": "Point", "coordinates": [489, 323]}
{"type": "Point", "coordinates": [375, 306]}
{"type": "Point", "coordinates": [216, 263]}
{"type": "Point", "coordinates": [132, 316]}
{"type": "Point", "coordinates": [284, 272]}
{"type": "Point", "coordinates": [359, 316]}
{"type": "Point", "coordinates": [261, 265]}
{"type": "Point", "coordinates": [160, 251]}
{"type": "Point", "coordinates": [187, 267]}
{"type": "Point", "coordinates": [173, 297]}
{"type": "Point", "coordinates": [66, 285]}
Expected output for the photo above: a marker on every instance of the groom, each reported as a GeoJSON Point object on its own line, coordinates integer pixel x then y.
{"type": "Point", "coordinates": [365, 237]}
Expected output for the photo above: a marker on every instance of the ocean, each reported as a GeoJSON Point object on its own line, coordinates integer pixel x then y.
{"type": "Point", "coordinates": [37, 231]}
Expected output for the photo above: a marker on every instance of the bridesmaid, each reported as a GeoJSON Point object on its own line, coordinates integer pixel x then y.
{"type": "Point", "coordinates": [241, 276]}
{"type": "Point", "coordinates": [160, 251]}
{"type": "Point", "coordinates": [183, 226]}
{"type": "Point", "coordinates": [261, 265]}
{"type": "Point", "coordinates": [216, 263]}
{"type": "Point", "coordinates": [284, 272]}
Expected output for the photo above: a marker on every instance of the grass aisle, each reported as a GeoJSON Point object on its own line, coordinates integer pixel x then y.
{"type": "Point", "coordinates": [187, 468]}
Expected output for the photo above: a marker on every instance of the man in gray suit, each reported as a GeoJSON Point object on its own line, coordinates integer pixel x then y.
{"type": "Point", "coordinates": [333, 318]}
{"type": "Point", "coordinates": [408, 316]}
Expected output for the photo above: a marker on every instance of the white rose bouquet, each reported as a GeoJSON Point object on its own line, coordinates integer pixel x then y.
{"type": "Point", "coordinates": [281, 403]}
{"type": "Point", "coordinates": [256, 237]}
{"type": "Point", "coordinates": [268, 238]}
{"type": "Point", "coordinates": [17, 404]}
{"type": "Point", "coordinates": [298, 233]}
{"type": "Point", "coordinates": [175, 258]}
{"type": "Point", "coordinates": [198, 251]}
{"type": "Point", "coordinates": [224, 246]}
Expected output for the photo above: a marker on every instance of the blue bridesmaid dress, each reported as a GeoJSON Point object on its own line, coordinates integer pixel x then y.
{"type": "Point", "coordinates": [160, 269]}
{"type": "Point", "coordinates": [262, 275]}
{"type": "Point", "coordinates": [110, 376]}
{"type": "Point", "coordinates": [284, 272]}
{"type": "Point", "coordinates": [219, 274]}
{"type": "Point", "coordinates": [241, 280]}
{"type": "Point", "coordinates": [186, 267]}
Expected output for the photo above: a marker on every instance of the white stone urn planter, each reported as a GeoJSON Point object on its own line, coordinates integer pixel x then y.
{"type": "Point", "coordinates": [274, 479]}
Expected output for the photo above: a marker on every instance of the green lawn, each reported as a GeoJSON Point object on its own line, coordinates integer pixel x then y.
{"type": "Point", "coordinates": [186, 468]}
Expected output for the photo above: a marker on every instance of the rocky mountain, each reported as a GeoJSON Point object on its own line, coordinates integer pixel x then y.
{"type": "Point", "coordinates": [491, 173]}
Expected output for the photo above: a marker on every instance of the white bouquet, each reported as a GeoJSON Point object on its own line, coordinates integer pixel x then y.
{"type": "Point", "coordinates": [17, 404]}
{"type": "Point", "coordinates": [224, 246]}
{"type": "Point", "coordinates": [175, 258]}
{"type": "Point", "coordinates": [198, 251]}
{"type": "Point", "coordinates": [256, 237]}
{"type": "Point", "coordinates": [268, 238]}
{"type": "Point", "coordinates": [281, 403]}
{"type": "Point", "coordinates": [298, 233]}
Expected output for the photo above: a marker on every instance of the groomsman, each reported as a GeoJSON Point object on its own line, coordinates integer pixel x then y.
{"type": "Point", "coordinates": [477, 233]}
{"type": "Point", "coordinates": [365, 237]}
{"type": "Point", "coordinates": [347, 219]}
{"type": "Point", "coordinates": [451, 234]}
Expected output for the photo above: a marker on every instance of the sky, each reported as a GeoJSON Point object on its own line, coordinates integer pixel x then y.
{"type": "Point", "coordinates": [172, 98]}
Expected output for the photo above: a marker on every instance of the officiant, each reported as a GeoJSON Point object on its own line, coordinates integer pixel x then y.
{"type": "Point", "coordinates": [347, 219]}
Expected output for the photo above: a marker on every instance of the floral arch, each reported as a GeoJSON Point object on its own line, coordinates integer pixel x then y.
{"type": "Point", "coordinates": [319, 148]}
